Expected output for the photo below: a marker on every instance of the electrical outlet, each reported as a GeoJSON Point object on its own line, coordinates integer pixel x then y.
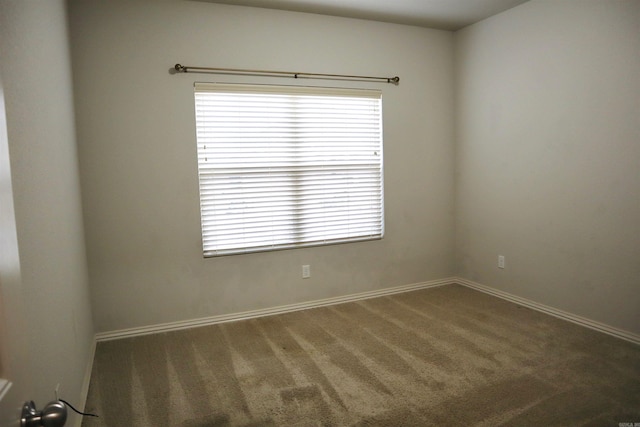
{"type": "Point", "coordinates": [500, 261]}
{"type": "Point", "coordinates": [306, 271]}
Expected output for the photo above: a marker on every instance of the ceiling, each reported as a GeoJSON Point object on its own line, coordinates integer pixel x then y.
{"type": "Point", "coordinates": [442, 14]}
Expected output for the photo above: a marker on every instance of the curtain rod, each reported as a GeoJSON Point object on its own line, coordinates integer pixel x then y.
{"type": "Point", "coordinates": [185, 69]}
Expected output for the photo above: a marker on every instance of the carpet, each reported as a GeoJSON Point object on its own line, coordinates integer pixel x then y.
{"type": "Point", "coordinates": [445, 356]}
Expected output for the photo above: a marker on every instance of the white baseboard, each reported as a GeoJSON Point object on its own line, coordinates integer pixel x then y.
{"type": "Point", "coordinates": [186, 324]}
{"type": "Point", "coordinates": [582, 321]}
{"type": "Point", "coordinates": [5, 385]}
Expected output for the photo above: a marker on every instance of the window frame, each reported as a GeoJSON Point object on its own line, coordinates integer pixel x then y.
{"type": "Point", "coordinates": [374, 97]}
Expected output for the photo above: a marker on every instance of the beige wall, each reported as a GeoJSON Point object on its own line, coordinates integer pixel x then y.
{"type": "Point", "coordinates": [545, 160]}
{"type": "Point", "coordinates": [51, 270]}
{"type": "Point", "coordinates": [138, 155]}
{"type": "Point", "coordinates": [548, 155]}
{"type": "Point", "coordinates": [15, 382]}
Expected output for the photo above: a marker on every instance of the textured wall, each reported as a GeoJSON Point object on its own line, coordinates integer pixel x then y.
{"type": "Point", "coordinates": [548, 155]}
{"type": "Point", "coordinates": [138, 155]}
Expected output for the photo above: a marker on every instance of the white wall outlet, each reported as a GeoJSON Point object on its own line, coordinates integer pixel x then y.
{"type": "Point", "coordinates": [306, 271]}
{"type": "Point", "coordinates": [500, 261]}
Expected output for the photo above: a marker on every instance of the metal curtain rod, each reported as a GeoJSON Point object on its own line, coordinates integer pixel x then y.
{"type": "Point", "coordinates": [184, 69]}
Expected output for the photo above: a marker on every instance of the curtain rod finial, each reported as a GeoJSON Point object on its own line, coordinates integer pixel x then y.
{"type": "Point", "coordinates": [180, 68]}
{"type": "Point", "coordinates": [395, 80]}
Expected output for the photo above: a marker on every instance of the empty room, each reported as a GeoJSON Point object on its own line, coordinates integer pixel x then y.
{"type": "Point", "coordinates": [319, 213]}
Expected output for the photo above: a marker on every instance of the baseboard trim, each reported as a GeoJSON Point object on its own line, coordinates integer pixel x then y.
{"type": "Point", "coordinates": [5, 385]}
{"type": "Point", "coordinates": [186, 324]}
{"type": "Point", "coordinates": [212, 320]}
{"type": "Point", "coordinates": [574, 318]}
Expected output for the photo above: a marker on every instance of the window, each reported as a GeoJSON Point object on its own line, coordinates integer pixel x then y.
{"type": "Point", "coordinates": [286, 166]}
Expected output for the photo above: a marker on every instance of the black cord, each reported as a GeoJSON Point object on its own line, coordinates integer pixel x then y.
{"type": "Point", "coordinates": [81, 413]}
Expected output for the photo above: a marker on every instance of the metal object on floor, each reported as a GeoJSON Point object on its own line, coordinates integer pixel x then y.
{"type": "Point", "coordinates": [54, 414]}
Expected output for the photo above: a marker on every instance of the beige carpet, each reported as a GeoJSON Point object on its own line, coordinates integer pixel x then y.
{"type": "Point", "coordinates": [446, 356]}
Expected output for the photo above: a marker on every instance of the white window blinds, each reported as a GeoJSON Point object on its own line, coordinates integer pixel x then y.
{"type": "Point", "coordinates": [283, 167]}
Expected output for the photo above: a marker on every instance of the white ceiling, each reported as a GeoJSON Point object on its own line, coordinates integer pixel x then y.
{"type": "Point", "coordinates": [442, 14]}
